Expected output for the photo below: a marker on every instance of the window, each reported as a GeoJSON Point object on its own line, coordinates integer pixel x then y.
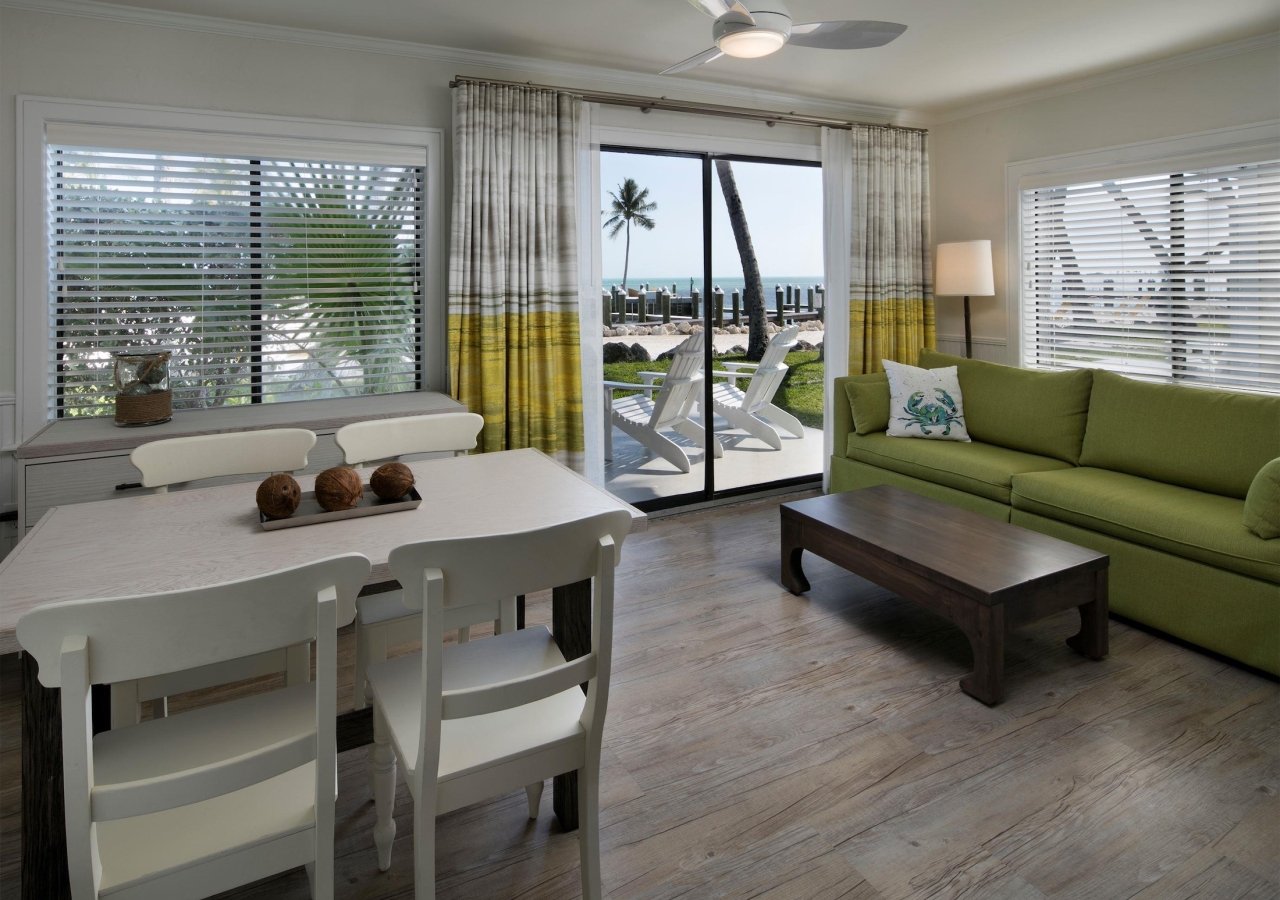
{"type": "Point", "coordinates": [269, 278]}
{"type": "Point", "coordinates": [1172, 275]}
{"type": "Point", "coordinates": [278, 258]}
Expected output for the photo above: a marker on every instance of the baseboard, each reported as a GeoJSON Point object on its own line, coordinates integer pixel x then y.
{"type": "Point", "coordinates": [8, 441]}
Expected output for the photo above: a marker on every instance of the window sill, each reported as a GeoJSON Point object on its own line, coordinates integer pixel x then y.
{"type": "Point", "coordinates": [68, 437]}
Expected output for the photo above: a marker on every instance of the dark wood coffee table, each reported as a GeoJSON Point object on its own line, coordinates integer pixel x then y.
{"type": "Point", "coordinates": [984, 576]}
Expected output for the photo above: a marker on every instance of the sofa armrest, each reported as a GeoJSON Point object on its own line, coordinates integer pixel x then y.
{"type": "Point", "coordinates": [841, 417]}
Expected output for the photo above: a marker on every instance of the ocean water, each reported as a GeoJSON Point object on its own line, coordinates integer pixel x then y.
{"type": "Point", "coordinates": [728, 283]}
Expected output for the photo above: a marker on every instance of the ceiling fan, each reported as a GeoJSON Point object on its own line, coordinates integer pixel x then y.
{"type": "Point", "coordinates": [753, 28]}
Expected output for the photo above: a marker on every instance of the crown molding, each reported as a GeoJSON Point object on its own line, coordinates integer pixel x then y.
{"type": "Point", "coordinates": [940, 115]}
{"type": "Point", "coordinates": [598, 77]}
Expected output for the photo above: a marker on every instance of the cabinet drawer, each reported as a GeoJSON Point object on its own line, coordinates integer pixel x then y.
{"type": "Point", "coordinates": [57, 483]}
{"type": "Point", "coordinates": [75, 481]}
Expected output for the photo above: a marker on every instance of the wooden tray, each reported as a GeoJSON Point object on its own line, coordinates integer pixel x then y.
{"type": "Point", "coordinates": [309, 511]}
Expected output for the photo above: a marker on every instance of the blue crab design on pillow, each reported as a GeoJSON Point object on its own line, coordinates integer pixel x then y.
{"type": "Point", "coordinates": [941, 413]}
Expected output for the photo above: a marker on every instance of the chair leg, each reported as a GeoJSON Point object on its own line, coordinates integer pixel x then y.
{"type": "Point", "coordinates": [534, 793]}
{"type": "Point", "coordinates": [371, 647]}
{"type": "Point", "coordinates": [507, 621]}
{"type": "Point", "coordinates": [589, 828]}
{"type": "Point", "coordinates": [383, 772]}
{"type": "Point", "coordinates": [464, 634]}
{"type": "Point", "coordinates": [424, 845]}
{"type": "Point", "coordinates": [783, 420]}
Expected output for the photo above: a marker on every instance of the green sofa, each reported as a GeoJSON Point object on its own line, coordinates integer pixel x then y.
{"type": "Point", "coordinates": [1158, 476]}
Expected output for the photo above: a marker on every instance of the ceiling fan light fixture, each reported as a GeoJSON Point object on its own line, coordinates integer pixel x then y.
{"type": "Point", "coordinates": [752, 43]}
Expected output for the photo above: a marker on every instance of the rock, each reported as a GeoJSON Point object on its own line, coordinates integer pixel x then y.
{"type": "Point", "coordinates": [639, 354]}
{"type": "Point", "coordinates": [802, 345]}
{"type": "Point", "coordinates": [736, 350]}
{"type": "Point", "coordinates": [615, 352]}
{"type": "Point", "coordinates": [666, 355]}
{"type": "Point", "coordinates": [684, 328]}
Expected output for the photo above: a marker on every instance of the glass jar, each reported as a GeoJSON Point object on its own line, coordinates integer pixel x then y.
{"type": "Point", "coordinates": [142, 388]}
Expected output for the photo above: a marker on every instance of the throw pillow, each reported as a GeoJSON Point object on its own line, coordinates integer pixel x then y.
{"type": "Point", "coordinates": [1262, 503]}
{"type": "Point", "coordinates": [869, 402]}
{"type": "Point", "coordinates": [925, 403]}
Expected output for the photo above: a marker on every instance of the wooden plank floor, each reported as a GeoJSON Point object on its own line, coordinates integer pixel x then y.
{"type": "Point", "coordinates": [765, 745]}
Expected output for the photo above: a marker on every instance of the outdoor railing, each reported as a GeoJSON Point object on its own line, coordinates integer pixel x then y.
{"type": "Point", "coordinates": [791, 303]}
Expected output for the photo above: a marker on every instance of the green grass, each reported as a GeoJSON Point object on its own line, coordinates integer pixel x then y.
{"type": "Point", "coordinates": [800, 394]}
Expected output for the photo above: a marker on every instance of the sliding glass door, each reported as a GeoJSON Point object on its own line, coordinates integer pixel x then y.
{"type": "Point", "coordinates": [713, 309]}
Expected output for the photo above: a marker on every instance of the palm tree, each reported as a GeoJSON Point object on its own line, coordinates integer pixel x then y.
{"type": "Point", "coordinates": [753, 287]}
{"type": "Point", "coordinates": [630, 204]}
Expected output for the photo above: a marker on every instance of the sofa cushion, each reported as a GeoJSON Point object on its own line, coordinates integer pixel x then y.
{"type": "Point", "coordinates": [1023, 409]}
{"type": "Point", "coordinates": [1194, 524]}
{"type": "Point", "coordinates": [1262, 503]}
{"type": "Point", "coordinates": [982, 469]}
{"type": "Point", "coordinates": [869, 401]}
{"type": "Point", "coordinates": [1194, 437]}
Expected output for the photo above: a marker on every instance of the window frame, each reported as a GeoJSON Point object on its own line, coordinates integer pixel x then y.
{"type": "Point", "coordinates": [1245, 144]}
{"type": "Point", "coordinates": [222, 130]}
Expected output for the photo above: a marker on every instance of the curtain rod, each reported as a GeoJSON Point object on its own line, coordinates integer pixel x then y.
{"type": "Point", "coordinates": [708, 109]}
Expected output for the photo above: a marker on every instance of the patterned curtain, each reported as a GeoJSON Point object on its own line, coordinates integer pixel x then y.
{"type": "Point", "coordinates": [513, 267]}
{"type": "Point", "coordinates": [891, 314]}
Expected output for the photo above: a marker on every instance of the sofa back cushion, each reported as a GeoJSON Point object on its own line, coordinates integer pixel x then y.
{"type": "Point", "coordinates": [1199, 438]}
{"type": "Point", "coordinates": [1022, 409]}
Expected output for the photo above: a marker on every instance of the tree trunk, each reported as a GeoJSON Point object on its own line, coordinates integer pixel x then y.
{"type": "Point", "coordinates": [626, 260]}
{"type": "Point", "coordinates": [753, 288]}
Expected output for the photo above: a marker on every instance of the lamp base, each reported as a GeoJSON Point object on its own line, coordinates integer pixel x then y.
{"type": "Point", "coordinates": [968, 331]}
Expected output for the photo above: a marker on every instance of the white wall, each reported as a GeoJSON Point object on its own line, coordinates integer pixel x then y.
{"type": "Point", "coordinates": [87, 58]}
{"type": "Point", "coordinates": [969, 155]}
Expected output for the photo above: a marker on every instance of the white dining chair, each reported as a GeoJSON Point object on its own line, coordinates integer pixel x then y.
{"type": "Point", "coordinates": [187, 459]}
{"type": "Point", "coordinates": [198, 803]}
{"type": "Point", "coordinates": [471, 721]}
{"type": "Point", "coordinates": [200, 456]}
{"type": "Point", "coordinates": [382, 620]}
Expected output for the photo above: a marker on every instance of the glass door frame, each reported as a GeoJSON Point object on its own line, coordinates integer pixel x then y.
{"type": "Point", "coordinates": [709, 492]}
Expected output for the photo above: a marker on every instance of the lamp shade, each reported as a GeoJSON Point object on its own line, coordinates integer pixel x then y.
{"type": "Point", "coordinates": [964, 270]}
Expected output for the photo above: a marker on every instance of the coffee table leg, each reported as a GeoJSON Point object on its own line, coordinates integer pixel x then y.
{"type": "Point", "coordinates": [1092, 640]}
{"type": "Point", "coordinates": [792, 574]}
{"type": "Point", "coordinates": [986, 681]}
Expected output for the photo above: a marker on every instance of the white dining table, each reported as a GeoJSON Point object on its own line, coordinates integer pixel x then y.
{"type": "Point", "coordinates": [193, 538]}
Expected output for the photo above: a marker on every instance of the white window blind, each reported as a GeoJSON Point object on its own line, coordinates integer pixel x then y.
{"type": "Point", "coordinates": [1173, 276]}
{"type": "Point", "coordinates": [269, 278]}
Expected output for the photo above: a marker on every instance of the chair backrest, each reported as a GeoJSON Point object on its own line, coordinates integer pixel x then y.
{"type": "Point", "coordinates": [682, 385]}
{"type": "Point", "coordinates": [442, 575]}
{"type": "Point", "coordinates": [80, 643]}
{"type": "Point", "coordinates": [200, 456]}
{"type": "Point", "coordinates": [382, 439]}
{"type": "Point", "coordinates": [771, 370]}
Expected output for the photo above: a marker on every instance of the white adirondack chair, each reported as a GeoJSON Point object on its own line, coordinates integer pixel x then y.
{"type": "Point", "coordinates": [199, 803]}
{"type": "Point", "coordinates": [752, 410]}
{"type": "Point", "coordinates": [472, 721]}
{"type": "Point", "coordinates": [666, 403]}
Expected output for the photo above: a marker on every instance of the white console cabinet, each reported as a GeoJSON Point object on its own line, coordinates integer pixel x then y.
{"type": "Point", "coordinates": [79, 460]}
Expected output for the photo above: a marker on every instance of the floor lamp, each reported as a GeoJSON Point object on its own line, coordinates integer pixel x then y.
{"type": "Point", "coordinates": [964, 270]}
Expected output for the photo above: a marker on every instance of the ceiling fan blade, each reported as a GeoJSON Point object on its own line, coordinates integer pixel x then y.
{"type": "Point", "coordinates": [845, 35]}
{"type": "Point", "coordinates": [694, 61]}
{"type": "Point", "coordinates": [714, 8]}
{"type": "Point", "coordinates": [718, 8]}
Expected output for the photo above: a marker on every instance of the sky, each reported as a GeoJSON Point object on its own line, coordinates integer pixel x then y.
{"type": "Point", "coordinates": [783, 205]}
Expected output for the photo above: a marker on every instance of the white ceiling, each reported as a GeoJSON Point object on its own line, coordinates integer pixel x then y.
{"type": "Point", "coordinates": [954, 52]}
